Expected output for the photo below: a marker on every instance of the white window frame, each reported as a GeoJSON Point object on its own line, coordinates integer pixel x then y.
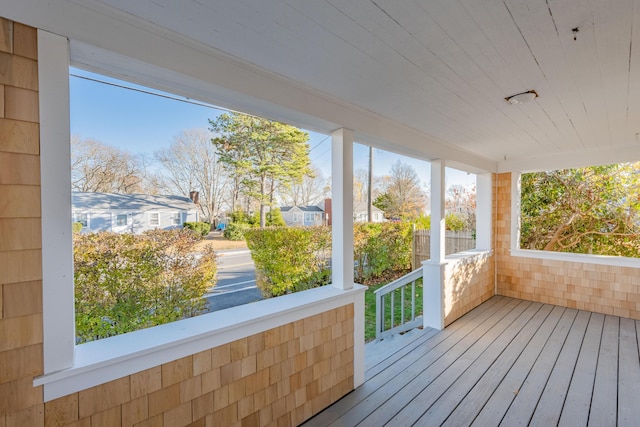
{"type": "Point", "coordinates": [69, 368]}
{"type": "Point", "coordinates": [77, 217]}
{"type": "Point", "coordinates": [154, 219]}
{"type": "Point", "coordinates": [516, 251]}
{"type": "Point", "coordinates": [126, 220]}
{"type": "Point", "coordinates": [297, 217]}
{"type": "Point", "coordinates": [176, 218]}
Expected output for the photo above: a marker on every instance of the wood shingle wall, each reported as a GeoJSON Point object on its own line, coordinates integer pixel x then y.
{"type": "Point", "coordinates": [601, 288]}
{"type": "Point", "coordinates": [20, 236]}
{"type": "Point", "coordinates": [278, 377]}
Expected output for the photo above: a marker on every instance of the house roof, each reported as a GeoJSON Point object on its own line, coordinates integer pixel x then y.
{"type": "Point", "coordinates": [302, 208]}
{"type": "Point", "coordinates": [362, 207]}
{"type": "Point", "coordinates": [134, 202]}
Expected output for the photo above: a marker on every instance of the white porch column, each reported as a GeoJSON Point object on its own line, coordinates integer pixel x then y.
{"type": "Point", "coordinates": [484, 203]}
{"type": "Point", "coordinates": [342, 207]}
{"type": "Point", "coordinates": [342, 238]}
{"type": "Point", "coordinates": [433, 269]}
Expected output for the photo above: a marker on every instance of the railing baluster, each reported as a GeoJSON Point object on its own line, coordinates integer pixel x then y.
{"type": "Point", "coordinates": [393, 308]}
{"type": "Point", "coordinates": [402, 304]}
{"type": "Point", "coordinates": [413, 300]}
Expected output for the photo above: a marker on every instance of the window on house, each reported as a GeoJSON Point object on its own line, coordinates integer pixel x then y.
{"type": "Point", "coordinates": [82, 218]}
{"type": "Point", "coordinates": [154, 219]}
{"type": "Point", "coordinates": [297, 217]}
{"type": "Point", "coordinates": [121, 219]}
{"type": "Point", "coordinates": [588, 210]}
{"type": "Point", "coordinates": [176, 219]}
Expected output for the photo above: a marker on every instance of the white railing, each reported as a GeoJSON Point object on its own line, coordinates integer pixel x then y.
{"type": "Point", "coordinates": [386, 322]}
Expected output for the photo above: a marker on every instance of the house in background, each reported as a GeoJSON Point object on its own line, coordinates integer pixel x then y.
{"type": "Point", "coordinates": [321, 214]}
{"type": "Point", "coordinates": [361, 213]}
{"type": "Point", "coordinates": [302, 215]}
{"type": "Point", "coordinates": [131, 213]}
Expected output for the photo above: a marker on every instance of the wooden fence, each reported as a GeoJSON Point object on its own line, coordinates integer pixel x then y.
{"type": "Point", "coordinates": [455, 241]}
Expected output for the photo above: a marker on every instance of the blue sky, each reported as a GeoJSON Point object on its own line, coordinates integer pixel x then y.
{"type": "Point", "coordinates": [144, 123]}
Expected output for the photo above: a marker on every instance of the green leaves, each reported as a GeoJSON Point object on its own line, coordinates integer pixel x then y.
{"type": "Point", "coordinates": [126, 282]}
{"type": "Point", "coordinates": [290, 259]}
{"type": "Point", "coordinates": [591, 210]}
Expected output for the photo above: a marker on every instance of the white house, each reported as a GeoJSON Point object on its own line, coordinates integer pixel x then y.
{"type": "Point", "coordinates": [361, 213]}
{"type": "Point", "coordinates": [302, 215]}
{"type": "Point", "coordinates": [321, 214]}
{"type": "Point", "coordinates": [131, 213]}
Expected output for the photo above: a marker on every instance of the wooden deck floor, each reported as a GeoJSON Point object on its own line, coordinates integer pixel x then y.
{"type": "Point", "coordinates": [508, 362]}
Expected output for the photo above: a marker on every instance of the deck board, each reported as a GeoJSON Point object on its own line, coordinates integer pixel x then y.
{"type": "Point", "coordinates": [628, 375]}
{"type": "Point", "coordinates": [455, 388]}
{"type": "Point", "coordinates": [578, 401]}
{"type": "Point", "coordinates": [549, 407]}
{"type": "Point", "coordinates": [524, 404]}
{"type": "Point", "coordinates": [501, 399]}
{"type": "Point", "coordinates": [508, 362]}
{"type": "Point", "coordinates": [604, 401]}
{"type": "Point", "coordinates": [433, 383]}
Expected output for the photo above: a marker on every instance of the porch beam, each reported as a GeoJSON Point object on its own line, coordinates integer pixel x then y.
{"type": "Point", "coordinates": [342, 208]}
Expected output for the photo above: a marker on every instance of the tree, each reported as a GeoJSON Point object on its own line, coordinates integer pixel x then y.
{"type": "Point", "coordinates": [309, 190]}
{"type": "Point", "coordinates": [97, 167]}
{"type": "Point", "coordinates": [584, 210]}
{"type": "Point", "coordinates": [460, 203]}
{"type": "Point", "coordinates": [265, 155]}
{"type": "Point", "coordinates": [403, 196]}
{"type": "Point", "coordinates": [191, 164]}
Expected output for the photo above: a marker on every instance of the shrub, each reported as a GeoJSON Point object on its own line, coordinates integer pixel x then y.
{"type": "Point", "coordinates": [290, 259]}
{"type": "Point", "coordinates": [202, 228]}
{"type": "Point", "coordinates": [126, 282]}
{"type": "Point", "coordinates": [76, 227]}
{"type": "Point", "coordinates": [235, 231]}
{"type": "Point", "coordinates": [380, 248]}
{"type": "Point", "coordinates": [242, 217]}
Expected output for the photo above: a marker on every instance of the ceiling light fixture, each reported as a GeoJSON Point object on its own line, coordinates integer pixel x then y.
{"type": "Point", "coordinates": [521, 98]}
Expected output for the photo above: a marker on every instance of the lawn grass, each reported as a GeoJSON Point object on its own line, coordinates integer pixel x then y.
{"type": "Point", "coordinates": [370, 305]}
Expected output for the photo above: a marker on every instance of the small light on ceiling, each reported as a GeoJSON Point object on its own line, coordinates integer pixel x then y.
{"type": "Point", "coordinates": [521, 98]}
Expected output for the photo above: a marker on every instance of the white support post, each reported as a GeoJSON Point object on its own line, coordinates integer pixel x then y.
{"type": "Point", "coordinates": [433, 269]}
{"type": "Point", "coordinates": [342, 207]}
{"type": "Point", "coordinates": [484, 203]}
{"type": "Point", "coordinates": [57, 247]}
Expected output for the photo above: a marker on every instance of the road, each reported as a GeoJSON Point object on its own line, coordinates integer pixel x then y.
{"type": "Point", "coordinates": [236, 282]}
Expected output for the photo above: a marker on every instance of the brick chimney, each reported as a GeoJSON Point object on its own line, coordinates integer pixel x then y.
{"type": "Point", "coordinates": [195, 197]}
{"type": "Point", "coordinates": [328, 213]}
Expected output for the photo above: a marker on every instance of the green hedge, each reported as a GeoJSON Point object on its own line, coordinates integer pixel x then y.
{"type": "Point", "coordinates": [380, 248]}
{"type": "Point", "coordinates": [236, 231]}
{"type": "Point", "coordinates": [202, 228]}
{"type": "Point", "coordinates": [290, 259]}
{"type": "Point", "coordinates": [76, 227]}
{"type": "Point", "coordinates": [125, 282]}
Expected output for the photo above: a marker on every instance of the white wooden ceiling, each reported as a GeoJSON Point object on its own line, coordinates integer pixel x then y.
{"type": "Point", "coordinates": [442, 68]}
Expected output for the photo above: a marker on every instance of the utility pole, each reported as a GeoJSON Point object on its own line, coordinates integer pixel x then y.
{"type": "Point", "coordinates": [370, 189]}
